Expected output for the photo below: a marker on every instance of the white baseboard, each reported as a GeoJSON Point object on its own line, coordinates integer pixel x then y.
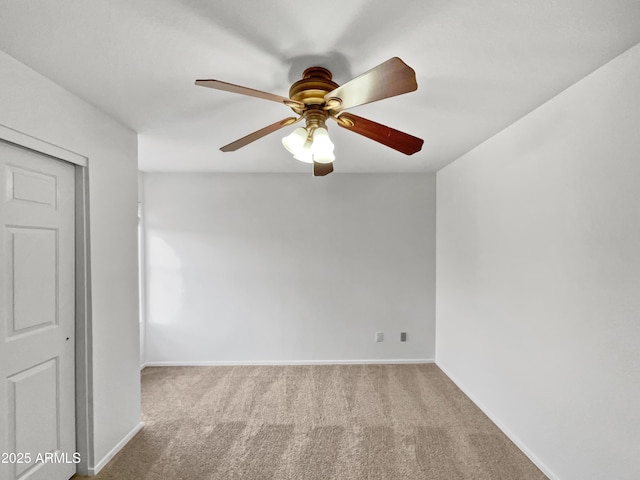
{"type": "Point", "coordinates": [532, 456]}
{"type": "Point", "coordinates": [142, 366]}
{"type": "Point", "coordinates": [100, 465]}
{"type": "Point", "coordinates": [377, 361]}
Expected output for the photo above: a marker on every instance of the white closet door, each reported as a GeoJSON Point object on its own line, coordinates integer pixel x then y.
{"type": "Point", "coordinates": [37, 285]}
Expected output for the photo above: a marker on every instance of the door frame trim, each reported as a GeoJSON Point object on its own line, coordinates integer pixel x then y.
{"type": "Point", "coordinates": [83, 337]}
{"type": "Point", "coordinates": [16, 137]}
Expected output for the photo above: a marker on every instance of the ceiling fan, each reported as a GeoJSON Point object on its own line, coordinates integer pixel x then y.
{"type": "Point", "coordinates": [316, 98]}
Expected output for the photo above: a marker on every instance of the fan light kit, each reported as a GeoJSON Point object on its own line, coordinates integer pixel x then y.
{"type": "Point", "coordinates": [316, 98]}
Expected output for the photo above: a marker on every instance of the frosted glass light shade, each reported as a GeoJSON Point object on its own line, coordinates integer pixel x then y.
{"type": "Point", "coordinates": [304, 154]}
{"type": "Point", "coordinates": [322, 144]}
{"type": "Point", "coordinates": [294, 142]}
{"type": "Point", "coordinates": [322, 147]}
{"type": "Point", "coordinates": [327, 157]}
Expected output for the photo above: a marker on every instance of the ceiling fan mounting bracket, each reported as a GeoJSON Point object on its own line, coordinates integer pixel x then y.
{"type": "Point", "coordinates": [289, 121]}
{"type": "Point", "coordinates": [343, 121]}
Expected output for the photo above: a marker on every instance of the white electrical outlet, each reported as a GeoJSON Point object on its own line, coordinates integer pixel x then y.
{"type": "Point", "coordinates": [379, 336]}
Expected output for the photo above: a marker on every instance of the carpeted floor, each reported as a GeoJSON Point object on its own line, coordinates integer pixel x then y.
{"type": "Point", "coordinates": [347, 422]}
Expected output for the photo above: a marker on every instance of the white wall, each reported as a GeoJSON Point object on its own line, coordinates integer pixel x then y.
{"type": "Point", "coordinates": [538, 277]}
{"type": "Point", "coordinates": [289, 268]}
{"type": "Point", "coordinates": [34, 105]}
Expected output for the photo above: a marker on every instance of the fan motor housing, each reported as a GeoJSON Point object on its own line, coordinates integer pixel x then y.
{"type": "Point", "coordinates": [315, 84]}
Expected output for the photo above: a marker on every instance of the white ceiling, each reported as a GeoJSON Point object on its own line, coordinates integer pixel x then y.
{"type": "Point", "coordinates": [480, 66]}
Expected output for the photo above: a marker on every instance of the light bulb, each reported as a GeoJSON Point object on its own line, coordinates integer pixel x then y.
{"type": "Point", "coordinates": [304, 154]}
{"type": "Point", "coordinates": [294, 142]}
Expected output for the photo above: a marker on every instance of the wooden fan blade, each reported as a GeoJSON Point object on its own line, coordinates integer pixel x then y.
{"type": "Point", "coordinates": [400, 141]}
{"type": "Point", "coordinates": [322, 169]}
{"type": "Point", "coordinates": [258, 134]}
{"type": "Point", "coordinates": [230, 87]}
{"type": "Point", "coordinates": [391, 78]}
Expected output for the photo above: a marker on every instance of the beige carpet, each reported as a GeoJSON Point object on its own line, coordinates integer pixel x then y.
{"type": "Point", "coordinates": [356, 422]}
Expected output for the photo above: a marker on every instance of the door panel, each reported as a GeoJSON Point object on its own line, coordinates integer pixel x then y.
{"type": "Point", "coordinates": [32, 271]}
{"type": "Point", "coordinates": [35, 410]}
{"type": "Point", "coordinates": [34, 187]}
{"type": "Point", "coordinates": [37, 285]}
